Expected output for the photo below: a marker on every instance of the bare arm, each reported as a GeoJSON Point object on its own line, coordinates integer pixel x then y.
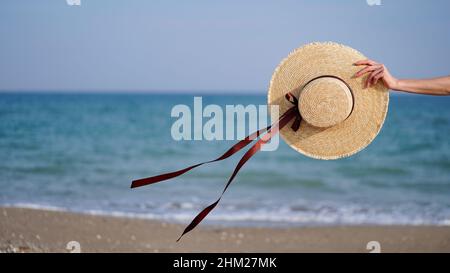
{"type": "Point", "coordinates": [436, 86]}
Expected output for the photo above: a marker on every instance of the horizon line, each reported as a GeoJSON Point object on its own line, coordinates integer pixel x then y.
{"type": "Point", "coordinates": [135, 91]}
{"type": "Point", "coordinates": [154, 92]}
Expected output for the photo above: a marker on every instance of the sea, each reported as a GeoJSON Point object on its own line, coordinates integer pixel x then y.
{"type": "Point", "coordinates": [79, 152]}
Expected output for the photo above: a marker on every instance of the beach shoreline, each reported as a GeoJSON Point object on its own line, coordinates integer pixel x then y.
{"type": "Point", "coordinates": [37, 230]}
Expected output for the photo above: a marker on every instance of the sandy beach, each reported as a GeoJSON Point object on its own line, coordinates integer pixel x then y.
{"type": "Point", "coordinates": [31, 230]}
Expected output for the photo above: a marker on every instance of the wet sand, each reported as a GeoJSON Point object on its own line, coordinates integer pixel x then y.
{"type": "Point", "coordinates": [31, 230]}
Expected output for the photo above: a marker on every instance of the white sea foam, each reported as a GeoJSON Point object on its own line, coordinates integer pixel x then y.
{"type": "Point", "coordinates": [346, 215]}
{"type": "Point", "coordinates": [34, 206]}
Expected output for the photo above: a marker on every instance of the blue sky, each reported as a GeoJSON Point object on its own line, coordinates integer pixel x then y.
{"type": "Point", "coordinates": [209, 46]}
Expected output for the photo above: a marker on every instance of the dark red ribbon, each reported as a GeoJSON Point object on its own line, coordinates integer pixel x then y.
{"type": "Point", "coordinates": [291, 113]}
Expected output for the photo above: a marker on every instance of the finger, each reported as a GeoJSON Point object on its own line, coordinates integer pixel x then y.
{"type": "Point", "coordinates": [371, 76]}
{"type": "Point", "coordinates": [366, 70]}
{"type": "Point", "coordinates": [365, 62]}
{"type": "Point", "coordinates": [374, 74]}
{"type": "Point", "coordinates": [378, 76]}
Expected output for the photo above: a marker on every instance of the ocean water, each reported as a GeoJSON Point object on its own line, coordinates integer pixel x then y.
{"type": "Point", "coordinates": [79, 152]}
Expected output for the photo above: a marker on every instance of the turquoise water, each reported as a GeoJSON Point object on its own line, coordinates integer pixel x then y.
{"type": "Point", "coordinates": [79, 152]}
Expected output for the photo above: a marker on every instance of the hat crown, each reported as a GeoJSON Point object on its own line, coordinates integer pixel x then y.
{"type": "Point", "coordinates": [325, 102]}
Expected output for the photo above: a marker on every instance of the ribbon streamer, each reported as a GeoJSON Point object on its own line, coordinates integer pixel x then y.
{"type": "Point", "coordinates": [291, 113]}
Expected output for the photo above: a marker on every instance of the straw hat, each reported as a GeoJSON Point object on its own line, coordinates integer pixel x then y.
{"type": "Point", "coordinates": [339, 116]}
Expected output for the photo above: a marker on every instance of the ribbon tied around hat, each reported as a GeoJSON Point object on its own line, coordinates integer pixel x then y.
{"type": "Point", "coordinates": [291, 114]}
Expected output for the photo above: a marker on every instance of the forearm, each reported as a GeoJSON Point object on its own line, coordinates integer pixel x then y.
{"type": "Point", "coordinates": [437, 86]}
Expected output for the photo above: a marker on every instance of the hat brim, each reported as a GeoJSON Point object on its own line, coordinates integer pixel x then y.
{"type": "Point", "coordinates": [370, 105]}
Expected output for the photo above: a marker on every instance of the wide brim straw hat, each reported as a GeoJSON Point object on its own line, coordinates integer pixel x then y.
{"type": "Point", "coordinates": [339, 116]}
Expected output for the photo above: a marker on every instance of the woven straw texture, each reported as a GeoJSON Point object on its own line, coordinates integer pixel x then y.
{"type": "Point", "coordinates": [351, 134]}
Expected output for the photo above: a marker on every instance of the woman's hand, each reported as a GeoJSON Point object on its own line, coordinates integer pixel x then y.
{"type": "Point", "coordinates": [377, 71]}
{"type": "Point", "coordinates": [436, 86]}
